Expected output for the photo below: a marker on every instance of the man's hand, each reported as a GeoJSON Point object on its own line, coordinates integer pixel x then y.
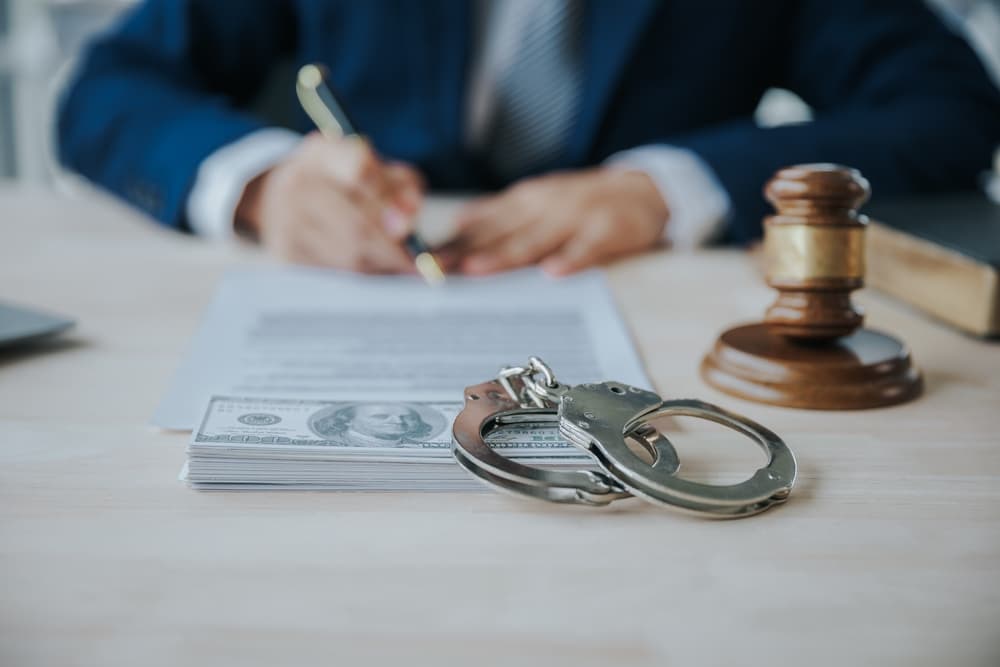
{"type": "Point", "coordinates": [566, 222]}
{"type": "Point", "coordinates": [334, 203]}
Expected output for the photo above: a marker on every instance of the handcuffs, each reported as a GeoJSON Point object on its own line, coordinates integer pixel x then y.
{"type": "Point", "coordinates": [601, 418]}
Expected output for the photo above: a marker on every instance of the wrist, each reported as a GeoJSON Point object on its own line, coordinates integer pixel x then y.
{"type": "Point", "coordinates": [643, 189]}
{"type": "Point", "coordinates": [698, 203]}
{"type": "Point", "coordinates": [652, 194]}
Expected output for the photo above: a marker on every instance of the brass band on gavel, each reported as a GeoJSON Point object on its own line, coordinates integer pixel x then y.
{"type": "Point", "coordinates": [801, 255]}
{"type": "Point", "coordinates": [814, 248]}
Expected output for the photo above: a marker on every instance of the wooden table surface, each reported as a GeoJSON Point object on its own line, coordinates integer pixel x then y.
{"type": "Point", "coordinates": [887, 553]}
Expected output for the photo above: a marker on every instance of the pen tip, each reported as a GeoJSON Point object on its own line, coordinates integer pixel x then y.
{"type": "Point", "coordinates": [429, 268]}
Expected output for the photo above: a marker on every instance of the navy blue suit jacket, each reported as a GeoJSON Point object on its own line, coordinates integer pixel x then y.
{"type": "Point", "coordinates": [896, 94]}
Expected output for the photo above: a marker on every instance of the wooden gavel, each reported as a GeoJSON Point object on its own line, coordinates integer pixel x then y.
{"type": "Point", "coordinates": [810, 351]}
{"type": "Point", "coordinates": [815, 248]}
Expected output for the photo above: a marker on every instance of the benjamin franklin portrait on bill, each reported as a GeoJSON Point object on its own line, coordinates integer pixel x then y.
{"type": "Point", "coordinates": [378, 424]}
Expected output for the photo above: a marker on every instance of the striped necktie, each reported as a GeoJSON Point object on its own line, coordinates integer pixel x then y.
{"type": "Point", "coordinates": [537, 93]}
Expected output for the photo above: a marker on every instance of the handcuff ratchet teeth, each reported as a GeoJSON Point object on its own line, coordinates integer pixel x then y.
{"type": "Point", "coordinates": [602, 419]}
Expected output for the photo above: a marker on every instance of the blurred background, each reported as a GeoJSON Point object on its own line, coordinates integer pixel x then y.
{"type": "Point", "coordinates": [40, 40]}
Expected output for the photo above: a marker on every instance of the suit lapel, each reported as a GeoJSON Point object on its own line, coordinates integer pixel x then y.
{"type": "Point", "coordinates": [610, 31]}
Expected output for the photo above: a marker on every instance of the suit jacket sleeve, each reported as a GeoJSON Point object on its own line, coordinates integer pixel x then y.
{"type": "Point", "coordinates": [895, 93]}
{"type": "Point", "coordinates": [161, 91]}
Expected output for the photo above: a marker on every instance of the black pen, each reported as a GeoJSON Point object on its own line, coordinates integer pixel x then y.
{"type": "Point", "coordinates": [319, 102]}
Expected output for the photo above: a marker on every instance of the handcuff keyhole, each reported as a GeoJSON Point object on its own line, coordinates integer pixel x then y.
{"type": "Point", "coordinates": [617, 390]}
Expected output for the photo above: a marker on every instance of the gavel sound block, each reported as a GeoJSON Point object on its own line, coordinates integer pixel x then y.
{"type": "Point", "coordinates": [811, 351]}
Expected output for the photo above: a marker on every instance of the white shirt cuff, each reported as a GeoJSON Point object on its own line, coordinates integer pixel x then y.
{"type": "Point", "coordinates": [223, 176]}
{"type": "Point", "coordinates": [699, 205]}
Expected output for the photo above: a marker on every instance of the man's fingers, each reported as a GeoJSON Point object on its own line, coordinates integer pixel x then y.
{"type": "Point", "coordinates": [595, 242]}
{"type": "Point", "coordinates": [405, 187]}
{"type": "Point", "coordinates": [510, 253]}
{"type": "Point", "coordinates": [360, 253]}
{"type": "Point", "coordinates": [381, 254]}
{"type": "Point", "coordinates": [481, 224]}
{"type": "Point", "coordinates": [312, 248]}
{"type": "Point", "coordinates": [479, 240]}
{"type": "Point", "coordinates": [484, 224]}
{"type": "Point", "coordinates": [352, 165]}
{"type": "Point", "coordinates": [390, 194]}
{"type": "Point", "coordinates": [577, 254]}
{"type": "Point", "coordinates": [349, 161]}
{"type": "Point", "coordinates": [524, 246]}
{"type": "Point", "coordinates": [479, 210]}
{"type": "Point", "coordinates": [350, 234]}
{"type": "Point", "coordinates": [401, 199]}
{"type": "Point", "coordinates": [525, 198]}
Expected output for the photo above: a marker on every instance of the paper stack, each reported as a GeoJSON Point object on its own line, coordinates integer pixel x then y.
{"type": "Point", "coordinates": [251, 443]}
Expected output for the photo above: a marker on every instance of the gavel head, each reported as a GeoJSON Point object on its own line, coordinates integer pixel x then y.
{"type": "Point", "coordinates": [814, 246]}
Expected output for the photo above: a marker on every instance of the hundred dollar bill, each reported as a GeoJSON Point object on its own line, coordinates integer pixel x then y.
{"type": "Point", "coordinates": [381, 428]}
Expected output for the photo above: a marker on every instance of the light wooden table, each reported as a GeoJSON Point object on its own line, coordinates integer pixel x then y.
{"type": "Point", "coordinates": [887, 553]}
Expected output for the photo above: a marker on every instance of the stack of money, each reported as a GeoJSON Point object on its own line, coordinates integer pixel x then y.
{"type": "Point", "coordinates": [250, 443]}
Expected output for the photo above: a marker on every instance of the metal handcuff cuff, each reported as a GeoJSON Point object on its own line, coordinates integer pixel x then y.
{"type": "Point", "coordinates": [601, 418]}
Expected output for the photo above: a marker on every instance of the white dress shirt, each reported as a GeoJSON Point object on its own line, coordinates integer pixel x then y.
{"type": "Point", "coordinates": [698, 204]}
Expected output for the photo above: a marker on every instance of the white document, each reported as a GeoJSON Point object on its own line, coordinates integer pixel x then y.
{"type": "Point", "coordinates": [316, 334]}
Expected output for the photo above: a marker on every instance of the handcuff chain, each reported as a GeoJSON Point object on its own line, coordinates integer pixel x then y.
{"type": "Point", "coordinates": [533, 393]}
